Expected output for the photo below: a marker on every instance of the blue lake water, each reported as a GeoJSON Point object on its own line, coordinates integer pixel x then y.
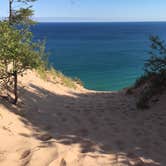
{"type": "Point", "coordinates": [105, 56]}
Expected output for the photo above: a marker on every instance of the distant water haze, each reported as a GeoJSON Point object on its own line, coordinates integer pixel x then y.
{"type": "Point", "coordinates": [105, 56]}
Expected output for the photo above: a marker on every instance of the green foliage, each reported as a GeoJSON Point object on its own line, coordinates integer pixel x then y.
{"type": "Point", "coordinates": [46, 73]}
{"type": "Point", "coordinates": [18, 49]}
{"type": "Point", "coordinates": [66, 81]}
{"type": "Point", "coordinates": [18, 52]}
{"type": "Point", "coordinates": [41, 70]}
{"type": "Point", "coordinates": [20, 12]}
{"type": "Point", "coordinates": [153, 82]}
{"type": "Point", "coordinates": [22, 16]}
{"type": "Point", "coordinates": [157, 61]}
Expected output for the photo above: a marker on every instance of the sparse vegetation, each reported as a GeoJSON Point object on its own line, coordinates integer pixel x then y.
{"type": "Point", "coordinates": [153, 82]}
{"type": "Point", "coordinates": [42, 72]}
{"type": "Point", "coordinates": [58, 76]}
{"type": "Point", "coordinates": [78, 81]}
{"type": "Point", "coordinates": [66, 81]}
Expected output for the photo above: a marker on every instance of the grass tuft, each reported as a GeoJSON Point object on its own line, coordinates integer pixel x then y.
{"type": "Point", "coordinates": [57, 75]}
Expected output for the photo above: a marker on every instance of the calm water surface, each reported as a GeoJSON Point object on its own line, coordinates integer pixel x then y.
{"type": "Point", "coordinates": [105, 56]}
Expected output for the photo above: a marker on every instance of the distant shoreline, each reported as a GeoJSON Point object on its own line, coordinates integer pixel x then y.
{"type": "Point", "coordinates": [101, 22]}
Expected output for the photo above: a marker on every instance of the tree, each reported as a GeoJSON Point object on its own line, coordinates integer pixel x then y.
{"type": "Point", "coordinates": [153, 82]}
{"type": "Point", "coordinates": [18, 51]}
{"type": "Point", "coordinates": [22, 14]}
{"type": "Point", "coordinates": [156, 64]}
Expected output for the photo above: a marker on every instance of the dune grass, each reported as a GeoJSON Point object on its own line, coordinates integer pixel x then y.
{"type": "Point", "coordinates": [52, 73]}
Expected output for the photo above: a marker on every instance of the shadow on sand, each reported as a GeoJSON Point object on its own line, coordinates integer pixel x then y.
{"type": "Point", "coordinates": [104, 122]}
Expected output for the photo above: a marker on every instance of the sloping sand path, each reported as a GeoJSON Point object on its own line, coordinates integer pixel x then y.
{"type": "Point", "coordinates": [59, 126]}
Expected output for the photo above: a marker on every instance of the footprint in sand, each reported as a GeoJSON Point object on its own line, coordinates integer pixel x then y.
{"type": "Point", "coordinates": [63, 163]}
{"type": "Point", "coordinates": [25, 154]}
{"type": "Point", "coordinates": [2, 156]}
{"type": "Point", "coordinates": [25, 157]}
{"type": "Point", "coordinates": [45, 137]}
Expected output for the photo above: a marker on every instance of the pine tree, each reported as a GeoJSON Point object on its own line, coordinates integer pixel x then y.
{"type": "Point", "coordinates": [18, 51]}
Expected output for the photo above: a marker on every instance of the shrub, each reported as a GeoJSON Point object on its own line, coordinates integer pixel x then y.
{"type": "Point", "coordinates": [153, 82]}
{"type": "Point", "coordinates": [140, 81]}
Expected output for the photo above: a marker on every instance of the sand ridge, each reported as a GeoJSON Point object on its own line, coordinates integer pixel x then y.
{"type": "Point", "coordinates": [57, 126]}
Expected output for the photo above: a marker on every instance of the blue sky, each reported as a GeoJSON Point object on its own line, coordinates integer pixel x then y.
{"type": "Point", "coordinates": [96, 10]}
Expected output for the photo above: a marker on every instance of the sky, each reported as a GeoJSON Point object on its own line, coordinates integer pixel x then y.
{"type": "Point", "coordinates": [96, 10]}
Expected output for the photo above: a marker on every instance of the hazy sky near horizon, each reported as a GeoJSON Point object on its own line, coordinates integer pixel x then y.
{"type": "Point", "coordinates": [96, 10]}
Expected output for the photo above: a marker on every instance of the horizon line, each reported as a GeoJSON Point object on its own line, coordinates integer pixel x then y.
{"type": "Point", "coordinates": [91, 19]}
{"type": "Point", "coordinates": [62, 21]}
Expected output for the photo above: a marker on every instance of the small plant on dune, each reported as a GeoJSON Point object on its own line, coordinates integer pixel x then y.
{"type": "Point", "coordinates": [47, 72]}
{"type": "Point", "coordinates": [42, 71]}
{"type": "Point", "coordinates": [154, 78]}
{"type": "Point", "coordinates": [78, 81]}
{"type": "Point", "coordinates": [66, 81]}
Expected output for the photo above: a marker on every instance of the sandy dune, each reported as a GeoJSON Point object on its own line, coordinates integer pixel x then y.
{"type": "Point", "coordinates": [56, 126]}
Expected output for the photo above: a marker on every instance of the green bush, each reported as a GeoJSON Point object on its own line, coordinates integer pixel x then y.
{"type": "Point", "coordinates": [153, 82]}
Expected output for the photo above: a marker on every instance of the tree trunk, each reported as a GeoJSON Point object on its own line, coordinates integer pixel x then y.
{"type": "Point", "coordinates": [6, 80]}
{"type": "Point", "coordinates": [10, 10]}
{"type": "Point", "coordinates": [15, 88]}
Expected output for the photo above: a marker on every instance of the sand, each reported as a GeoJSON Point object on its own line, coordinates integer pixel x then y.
{"type": "Point", "coordinates": [53, 125]}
